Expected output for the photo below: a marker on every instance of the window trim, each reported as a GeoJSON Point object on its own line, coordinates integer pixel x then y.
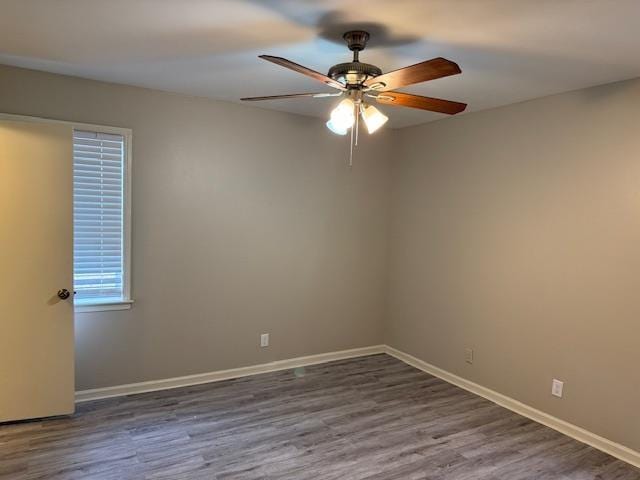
{"type": "Point", "coordinates": [127, 133]}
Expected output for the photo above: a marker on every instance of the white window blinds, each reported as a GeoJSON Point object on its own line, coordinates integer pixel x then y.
{"type": "Point", "coordinates": [98, 217]}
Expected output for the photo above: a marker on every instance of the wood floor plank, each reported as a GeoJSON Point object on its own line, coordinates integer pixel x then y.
{"type": "Point", "coordinates": [371, 418]}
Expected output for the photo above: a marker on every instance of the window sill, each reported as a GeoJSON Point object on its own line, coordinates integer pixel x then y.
{"type": "Point", "coordinates": [103, 306]}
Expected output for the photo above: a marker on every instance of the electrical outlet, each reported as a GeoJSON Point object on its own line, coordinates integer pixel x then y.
{"type": "Point", "coordinates": [468, 355]}
{"type": "Point", "coordinates": [264, 340]}
{"type": "Point", "coordinates": [556, 388]}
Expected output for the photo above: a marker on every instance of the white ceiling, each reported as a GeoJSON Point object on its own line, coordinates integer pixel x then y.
{"type": "Point", "coordinates": [509, 50]}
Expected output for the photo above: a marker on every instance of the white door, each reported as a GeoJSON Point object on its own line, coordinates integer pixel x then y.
{"type": "Point", "coordinates": [36, 261]}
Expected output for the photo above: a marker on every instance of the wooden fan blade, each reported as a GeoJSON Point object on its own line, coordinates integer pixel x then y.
{"type": "Point", "coordinates": [423, 103]}
{"type": "Point", "coordinates": [420, 72]}
{"type": "Point", "coordinates": [304, 70]}
{"type": "Point", "coordinates": [291, 95]}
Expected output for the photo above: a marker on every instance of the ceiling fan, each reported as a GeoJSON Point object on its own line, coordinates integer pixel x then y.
{"type": "Point", "coordinates": [358, 82]}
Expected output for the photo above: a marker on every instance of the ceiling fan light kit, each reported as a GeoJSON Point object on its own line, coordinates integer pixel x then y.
{"type": "Point", "coordinates": [373, 118]}
{"type": "Point", "coordinates": [343, 116]}
{"type": "Point", "coordinates": [337, 129]}
{"type": "Point", "coordinates": [358, 81]}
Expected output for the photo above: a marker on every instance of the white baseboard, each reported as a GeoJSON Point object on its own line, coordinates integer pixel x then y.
{"type": "Point", "coordinates": [612, 448]}
{"type": "Point", "coordinates": [615, 449]}
{"type": "Point", "coordinates": [168, 383]}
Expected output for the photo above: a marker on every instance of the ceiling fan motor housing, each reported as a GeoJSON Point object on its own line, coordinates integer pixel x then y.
{"type": "Point", "coordinates": [353, 73]}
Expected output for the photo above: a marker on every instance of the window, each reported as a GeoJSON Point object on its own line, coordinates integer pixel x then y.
{"type": "Point", "coordinates": [100, 220]}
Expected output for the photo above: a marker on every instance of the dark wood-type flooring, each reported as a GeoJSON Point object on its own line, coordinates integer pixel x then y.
{"type": "Point", "coordinates": [369, 418]}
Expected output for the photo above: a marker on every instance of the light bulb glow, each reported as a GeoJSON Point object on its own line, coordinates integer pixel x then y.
{"type": "Point", "coordinates": [343, 115]}
{"type": "Point", "coordinates": [373, 118]}
{"type": "Point", "coordinates": [335, 128]}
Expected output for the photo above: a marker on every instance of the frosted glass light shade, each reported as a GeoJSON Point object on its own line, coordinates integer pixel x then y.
{"type": "Point", "coordinates": [373, 118]}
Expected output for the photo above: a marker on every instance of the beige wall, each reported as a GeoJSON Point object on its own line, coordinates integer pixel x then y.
{"type": "Point", "coordinates": [244, 221]}
{"type": "Point", "coordinates": [516, 232]}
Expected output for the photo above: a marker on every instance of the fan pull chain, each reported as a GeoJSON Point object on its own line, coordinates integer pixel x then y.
{"type": "Point", "coordinates": [351, 150]}
{"type": "Point", "coordinates": [357, 113]}
{"type": "Point", "coordinates": [354, 132]}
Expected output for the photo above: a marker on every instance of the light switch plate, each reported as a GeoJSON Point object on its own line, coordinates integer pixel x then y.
{"type": "Point", "coordinates": [468, 355]}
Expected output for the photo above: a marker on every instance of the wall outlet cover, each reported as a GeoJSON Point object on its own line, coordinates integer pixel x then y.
{"type": "Point", "coordinates": [556, 388]}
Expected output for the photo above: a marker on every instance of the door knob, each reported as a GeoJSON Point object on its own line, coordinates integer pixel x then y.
{"type": "Point", "coordinates": [63, 294]}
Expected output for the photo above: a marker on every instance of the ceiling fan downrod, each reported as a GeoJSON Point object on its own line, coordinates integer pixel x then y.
{"type": "Point", "coordinates": [353, 74]}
